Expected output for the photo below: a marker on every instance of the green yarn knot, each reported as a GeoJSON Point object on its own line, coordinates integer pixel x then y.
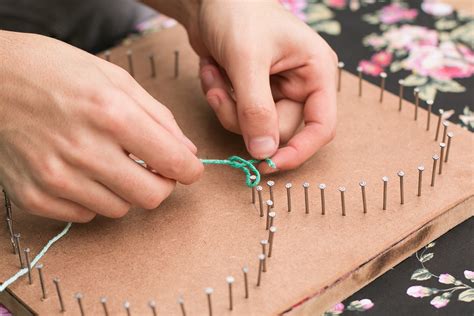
{"type": "Point", "coordinates": [247, 166]}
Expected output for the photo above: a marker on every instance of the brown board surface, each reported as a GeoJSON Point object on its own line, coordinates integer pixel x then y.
{"type": "Point", "coordinates": [210, 230]}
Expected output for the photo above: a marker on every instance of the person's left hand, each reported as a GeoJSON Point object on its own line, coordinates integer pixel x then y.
{"type": "Point", "coordinates": [262, 71]}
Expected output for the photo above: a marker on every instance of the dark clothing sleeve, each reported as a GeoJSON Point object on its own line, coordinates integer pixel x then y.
{"type": "Point", "coordinates": [92, 25]}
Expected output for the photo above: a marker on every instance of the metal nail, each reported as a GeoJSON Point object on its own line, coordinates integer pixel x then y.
{"type": "Point", "coordinates": [230, 280]}
{"type": "Point", "coordinates": [181, 305]}
{"type": "Point", "coordinates": [152, 305]}
{"type": "Point", "coordinates": [450, 136]}
{"type": "Point", "coordinates": [252, 179]}
{"type": "Point", "coordinates": [445, 130]}
{"type": "Point", "coordinates": [420, 178]}
{"type": "Point", "coordinates": [288, 195]}
{"type": "Point", "coordinates": [261, 258]}
{"type": "Point", "coordinates": [60, 297]}
{"type": "Point", "coordinates": [245, 270]}
{"type": "Point", "coordinates": [78, 297]}
{"type": "Point", "coordinates": [103, 302]}
{"type": "Point", "coordinates": [428, 114]}
{"type": "Point", "coordinates": [260, 199]}
{"type": "Point", "coordinates": [433, 172]}
{"type": "Point", "coordinates": [343, 201]}
{"type": "Point", "coordinates": [442, 147]}
{"type": "Point", "coordinates": [130, 62]}
{"type": "Point", "coordinates": [264, 243]}
{"type": "Point", "coordinates": [340, 65]}
{"type": "Point", "coordinates": [269, 207]}
{"type": "Point", "coordinates": [272, 216]}
{"type": "Point", "coordinates": [362, 185]}
{"type": "Point", "coordinates": [383, 76]}
{"type": "Point", "coordinates": [306, 197]}
{"type": "Point", "coordinates": [401, 174]}
{"type": "Point", "coordinates": [209, 291]}
{"type": "Point", "coordinates": [39, 267]}
{"type": "Point", "coordinates": [438, 126]}
{"type": "Point", "coordinates": [12, 234]}
{"type": "Point", "coordinates": [417, 101]}
{"type": "Point", "coordinates": [28, 264]}
{"type": "Point", "coordinates": [270, 185]}
{"type": "Point", "coordinates": [401, 84]}
{"type": "Point", "coordinates": [18, 247]}
{"type": "Point", "coordinates": [107, 55]}
{"type": "Point", "coordinates": [271, 236]}
{"type": "Point", "coordinates": [322, 187]}
{"type": "Point", "coordinates": [126, 305]}
{"type": "Point", "coordinates": [385, 182]}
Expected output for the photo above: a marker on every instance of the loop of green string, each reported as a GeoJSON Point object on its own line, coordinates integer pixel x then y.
{"type": "Point", "coordinates": [247, 166]}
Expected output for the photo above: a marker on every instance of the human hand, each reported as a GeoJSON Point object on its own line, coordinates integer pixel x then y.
{"type": "Point", "coordinates": [68, 121]}
{"type": "Point", "coordinates": [263, 71]}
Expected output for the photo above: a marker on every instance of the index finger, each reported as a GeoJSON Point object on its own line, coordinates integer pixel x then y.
{"type": "Point", "coordinates": [140, 135]}
{"type": "Point", "coordinates": [320, 113]}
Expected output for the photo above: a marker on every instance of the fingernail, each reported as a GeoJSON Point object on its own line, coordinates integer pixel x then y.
{"type": "Point", "coordinates": [208, 78]}
{"type": "Point", "coordinates": [214, 102]}
{"type": "Point", "coordinates": [262, 147]}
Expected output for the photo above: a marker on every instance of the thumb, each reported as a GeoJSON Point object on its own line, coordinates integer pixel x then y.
{"type": "Point", "coordinates": [256, 111]}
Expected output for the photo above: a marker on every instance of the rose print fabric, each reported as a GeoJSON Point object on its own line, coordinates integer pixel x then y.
{"type": "Point", "coordinates": [426, 43]}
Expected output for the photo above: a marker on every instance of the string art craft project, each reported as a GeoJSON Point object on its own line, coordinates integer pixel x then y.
{"type": "Point", "coordinates": [296, 244]}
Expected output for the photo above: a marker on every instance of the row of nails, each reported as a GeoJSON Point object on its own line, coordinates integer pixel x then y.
{"type": "Point", "coordinates": [151, 58]}
{"type": "Point", "coordinates": [262, 267]}
{"type": "Point", "coordinates": [442, 158]}
{"type": "Point", "coordinates": [401, 82]}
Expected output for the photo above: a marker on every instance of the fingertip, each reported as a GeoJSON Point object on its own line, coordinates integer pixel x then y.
{"type": "Point", "coordinates": [264, 168]}
{"type": "Point", "coordinates": [284, 159]}
{"type": "Point", "coordinates": [195, 172]}
{"type": "Point", "coordinates": [262, 147]}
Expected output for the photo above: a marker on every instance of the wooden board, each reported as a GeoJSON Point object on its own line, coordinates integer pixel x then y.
{"type": "Point", "coordinates": [209, 230]}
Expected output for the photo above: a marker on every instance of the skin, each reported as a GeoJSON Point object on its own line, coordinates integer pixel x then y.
{"type": "Point", "coordinates": [66, 114]}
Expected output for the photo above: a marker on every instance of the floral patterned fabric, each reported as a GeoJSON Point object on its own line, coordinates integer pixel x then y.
{"type": "Point", "coordinates": [425, 43]}
{"type": "Point", "coordinates": [436, 280]}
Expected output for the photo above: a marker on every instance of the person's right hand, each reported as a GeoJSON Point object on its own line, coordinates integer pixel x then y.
{"type": "Point", "coordinates": [68, 121]}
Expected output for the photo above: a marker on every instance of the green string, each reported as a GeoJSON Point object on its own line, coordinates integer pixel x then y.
{"type": "Point", "coordinates": [247, 166]}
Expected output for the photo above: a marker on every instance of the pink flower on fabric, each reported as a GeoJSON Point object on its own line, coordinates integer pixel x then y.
{"type": "Point", "coordinates": [4, 311]}
{"type": "Point", "coordinates": [410, 36]}
{"type": "Point", "coordinates": [394, 13]}
{"type": "Point", "coordinates": [418, 291]}
{"type": "Point", "coordinates": [439, 301]}
{"type": "Point", "coordinates": [382, 58]}
{"type": "Point", "coordinates": [469, 274]}
{"type": "Point", "coordinates": [337, 4]}
{"type": "Point", "coordinates": [296, 7]}
{"type": "Point", "coordinates": [442, 62]}
{"type": "Point", "coordinates": [337, 309]}
{"type": "Point", "coordinates": [370, 68]}
{"type": "Point", "coordinates": [436, 8]}
{"type": "Point", "coordinates": [466, 52]}
{"type": "Point", "coordinates": [376, 41]}
{"type": "Point", "coordinates": [366, 304]}
{"type": "Point", "coordinates": [446, 278]}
